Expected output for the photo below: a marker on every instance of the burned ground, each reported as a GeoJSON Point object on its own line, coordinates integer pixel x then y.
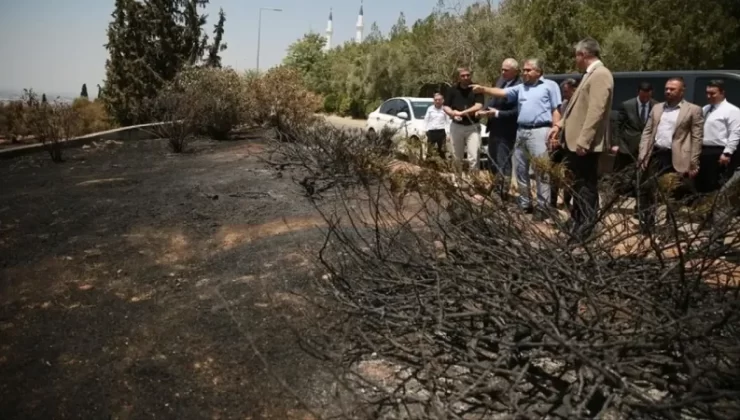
{"type": "Point", "coordinates": [137, 284]}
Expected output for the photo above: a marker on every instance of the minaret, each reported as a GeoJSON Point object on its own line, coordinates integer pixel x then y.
{"type": "Point", "coordinates": [360, 26]}
{"type": "Point", "coordinates": [329, 32]}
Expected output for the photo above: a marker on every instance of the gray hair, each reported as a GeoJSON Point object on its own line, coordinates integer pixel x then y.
{"type": "Point", "coordinates": [512, 63]}
{"type": "Point", "coordinates": [569, 82]}
{"type": "Point", "coordinates": [536, 63]}
{"type": "Point", "coordinates": [589, 47]}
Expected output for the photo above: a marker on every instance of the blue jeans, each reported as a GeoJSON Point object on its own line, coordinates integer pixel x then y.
{"type": "Point", "coordinates": [531, 143]}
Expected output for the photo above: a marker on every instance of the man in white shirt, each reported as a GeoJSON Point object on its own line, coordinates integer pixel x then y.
{"type": "Point", "coordinates": [437, 124]}
{"type": "Point", "coordinates": [721, 137]}
{"type": "Point", "coordinates": [671, 142]}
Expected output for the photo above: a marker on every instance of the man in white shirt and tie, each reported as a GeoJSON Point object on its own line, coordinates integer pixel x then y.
{"type": "Point", "coordinates": [719, 156]}
{"type": "Point", "coordinates": [437, 124]}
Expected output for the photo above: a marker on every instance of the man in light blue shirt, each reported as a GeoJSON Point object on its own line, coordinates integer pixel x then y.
{"type": "Point", "coordinates": [538, 100]}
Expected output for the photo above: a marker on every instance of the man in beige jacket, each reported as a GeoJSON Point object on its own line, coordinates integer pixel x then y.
{"type": "Point", "coordinates": [671, 142]}
{"type": "Point", "coordinates": [586, 129]}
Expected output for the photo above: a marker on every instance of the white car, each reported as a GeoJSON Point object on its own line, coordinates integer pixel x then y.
{"type": "Point", "coordinates": [405, 116]}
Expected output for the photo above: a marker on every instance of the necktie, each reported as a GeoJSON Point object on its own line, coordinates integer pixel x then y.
{"type": "Point", "coordinates": [711, 108]}
{"type": "Point", "coordinates": [643, 113]}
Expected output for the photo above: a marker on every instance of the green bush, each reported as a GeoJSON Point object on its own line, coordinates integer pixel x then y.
{"type": "Point", "coordinates": [278, 96]}
{"type": "Point", "coordinates": [217, 96]}
{"type": "Point", "coordinates": [91, 116]}
{"type": "Point", "coordinates": [331, 103]}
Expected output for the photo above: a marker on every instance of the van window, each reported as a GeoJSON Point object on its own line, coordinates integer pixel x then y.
{"type": "Point", "coordinates": [625, 88]}
{"type": "Point", "coordinates": [732, 90]}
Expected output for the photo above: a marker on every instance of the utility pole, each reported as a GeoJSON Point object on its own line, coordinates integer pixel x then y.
{"type": "Point", "coordinates": [259, 32]}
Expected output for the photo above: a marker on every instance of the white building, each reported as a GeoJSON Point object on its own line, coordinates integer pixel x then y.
{"type": "Point", "coordinates": [360, 25]}
{"type": "Point", "coordinates": [329, 32]}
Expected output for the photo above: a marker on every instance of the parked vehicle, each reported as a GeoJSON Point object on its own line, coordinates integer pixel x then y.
{"type": "Point", "coordinates": [405, 116]}
{"type": "Point", "coordinates": [625, 84]}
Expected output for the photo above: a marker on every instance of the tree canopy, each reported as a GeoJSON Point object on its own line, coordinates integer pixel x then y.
{"type": "Point", "coordinates": [149, 43]}
{"type": "Point", "coordinates": [635, 35]}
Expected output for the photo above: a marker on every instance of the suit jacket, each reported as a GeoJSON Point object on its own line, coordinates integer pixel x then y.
{"type": "Point", "coordinates": [586, 121]}
{"type": "Point", "coordinates": [504, 126]}
{"type": "Point", "coordinates": [687, 138]}
{"type": "Point", "coordinates": [630, 126]}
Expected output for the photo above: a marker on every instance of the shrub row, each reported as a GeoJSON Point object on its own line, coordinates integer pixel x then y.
{"type": "Point", "coordinates": [17, 117]}
{"type": "Point", "coordinates": [199, 101]}
{"type": "Point", "coordinates": [212, 102]}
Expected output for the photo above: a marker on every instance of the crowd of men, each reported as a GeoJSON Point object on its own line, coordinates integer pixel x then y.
{"type": "Point", "coordinates": [531, 117]}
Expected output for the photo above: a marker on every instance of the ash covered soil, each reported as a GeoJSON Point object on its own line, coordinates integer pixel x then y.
{"type": "Point", "coordinates": [133, 281]}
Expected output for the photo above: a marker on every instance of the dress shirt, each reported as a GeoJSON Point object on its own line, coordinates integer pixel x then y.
{"type": "Point", "coordinates": [437, 119]}
{"type": "Point", "coordinates": [536, 101]}
{"type": "Point", "coordinates": [666, 127]}
{"type": "Point", "coordinates": [592, 66]}
{"type": "Point", "coordinates": [590, 69]}
{"type": "Point", "coordinates": [722, 126]}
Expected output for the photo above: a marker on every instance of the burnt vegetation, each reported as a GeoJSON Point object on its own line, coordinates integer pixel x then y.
{"type": "Point", "coordinates": [439, 301]}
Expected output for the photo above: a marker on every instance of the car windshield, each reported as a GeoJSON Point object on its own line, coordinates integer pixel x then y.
{"type": "Point", "coordinates": [420, 108]}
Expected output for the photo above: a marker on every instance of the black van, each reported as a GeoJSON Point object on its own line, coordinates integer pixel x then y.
{"type": "Point", "coordinates": [626, 83]}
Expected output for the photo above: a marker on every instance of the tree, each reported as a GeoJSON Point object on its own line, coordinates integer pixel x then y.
{"type": "Point", "coordinates": [83, 92]}
{"type": "Point", "coordinates": [624, 49]}
{"type": "Point", "coordinates": [375, 35]}
{"type": "Point", "coordinates": [307, 56]}
{"type": "Point", "coordinates": [43, 99]}
{"type": "Point", "coordinates": [214, 59]}
{"type": "Point", "coordinates": [149, 43]}
{"type": "Point", "coordinates": [399, 28]}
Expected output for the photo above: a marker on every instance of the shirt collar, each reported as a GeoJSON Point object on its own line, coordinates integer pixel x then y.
{"type": "Point", "coordinates": [642, 103]}
{"type": "Point", "coordinates": [592, 66]}
{"type": "Point", "coordinates": [678, 105]}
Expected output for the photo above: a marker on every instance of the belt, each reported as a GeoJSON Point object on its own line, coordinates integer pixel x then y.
{"type": "Point", "coordinates": [533, 126]}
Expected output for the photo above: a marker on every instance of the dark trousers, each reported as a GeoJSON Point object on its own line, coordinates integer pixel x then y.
{"type": "Point", "coordinates": [625, 174]}
{"type": "Point", "coordinates": [438, 138]}
{"type": "Point", "coordinates": [501, 152]}
{"type": "Point", "coordinates": [558, 157]}
{"type": "Point", "coordinates": [585, 172]}
{"type": "Point", "coordinates": [660, 163]}
{"type": "Point", "coordinates": [711, 174]}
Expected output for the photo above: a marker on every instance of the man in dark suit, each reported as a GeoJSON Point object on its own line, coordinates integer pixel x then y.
{"type": "Point", "coordinates": [631, 122]}
{"type": "Point", "coordinates": [502, 126]}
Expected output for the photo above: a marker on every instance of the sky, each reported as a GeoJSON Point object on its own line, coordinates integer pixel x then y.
{"type": "Point", "coordinates": [55, 46]}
